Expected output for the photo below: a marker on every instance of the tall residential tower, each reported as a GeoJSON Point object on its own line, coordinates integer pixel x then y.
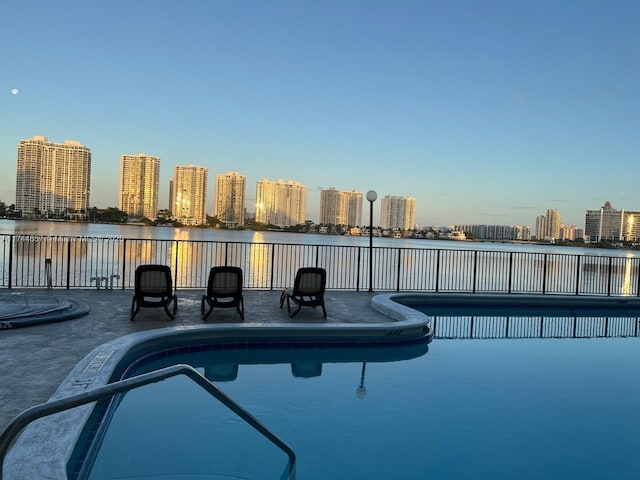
{"type": "Point", "coordinates": [188, 194]}
{"type": "Point", "coordinates": [397, 212]}
{"type": "Point", "coordinates": [548, 226]}
{"type": "Point", "coordinates": [229, 207]}
{"type": "Point", "coordinates": [340, 208]}
{"type": "Point", "coordinates": [53, 179]}
{"type": "Point", "coordinates": [139, 179]}
{"type": "Point", "coordinates": [610, 224]}
{"type": "Point", "coordinates": [281, 203]}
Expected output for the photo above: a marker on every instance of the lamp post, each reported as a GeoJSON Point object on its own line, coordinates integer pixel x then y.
{"type": "Point", "coordinates": [361, 391]}
{"type": "Point", "coordinates": [371, 197]}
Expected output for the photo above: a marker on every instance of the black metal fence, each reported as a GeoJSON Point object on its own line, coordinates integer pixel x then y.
{"type": "Point", "coordinates": [107, 262]}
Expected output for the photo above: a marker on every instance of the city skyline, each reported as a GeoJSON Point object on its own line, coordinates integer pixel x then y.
{"type": "Point", "coordinates": [484, 112]}
{"type": "Point", "coordinates": [46, 171]}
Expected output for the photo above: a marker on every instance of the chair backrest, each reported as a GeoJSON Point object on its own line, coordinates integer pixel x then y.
{"type": "Point", "coordinates": [310, 281]}
{"type": "Point", "coordinates": [153, 280]}
{"type": "Point", "coordinates": [224, 281]}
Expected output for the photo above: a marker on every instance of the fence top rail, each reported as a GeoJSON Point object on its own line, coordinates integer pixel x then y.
{"type": "Point", "coordinates": [117, 238]}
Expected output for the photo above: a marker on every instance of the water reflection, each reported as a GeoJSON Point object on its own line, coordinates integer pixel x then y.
{"type": "Point", "coordinates": [627, 288]}
{"type": "Point", "coordinates": [306, 369]}
{"type": "Point", "coordinates": [306, 362]}
{"type": "Point", "coordinates": [259, 270]}
{"type": "Point", "coordinates": [520, 327]}
{"type": "Point", "coordinates": [361, 391]}
{"type": "Point", "coordinates": [223, 372]}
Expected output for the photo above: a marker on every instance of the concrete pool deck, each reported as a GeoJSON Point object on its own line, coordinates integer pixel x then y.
{"type": "Point", "coordinates": [34, 360]}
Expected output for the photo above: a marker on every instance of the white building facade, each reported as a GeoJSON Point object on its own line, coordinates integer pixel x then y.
{"type": "Point", "coordinates": [230, 194]}
{"type": "Point", "coordinates": [53, 179]}
{"type": "Point", "coordinates": [339, 207]}
{"type": "Point", "coordinates": [188, 194]}
{"type": "Point", "coordinates": [397, 213]}
{"type": "Point", "coordinates": [281, 203]}
{"type": "Point", "coordinates": [139, 185]}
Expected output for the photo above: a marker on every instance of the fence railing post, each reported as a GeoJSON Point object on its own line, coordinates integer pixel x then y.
{"type": "Point", "coordinates": [69, 262]}
{"type": "Point", "coordinates": [358, 270]}
{"type": "Point", "coordinates": [398, 269]}
{"type": "Point", "coordinates": [273, 260]}
{"type": "Point", "coordinates": [437, 270]}
{"type": "Point", "coordinates": [544, 273]}
{"type": "Point", "coordinates": [175, 283]}
{"type": "Point", "coordinates": [510, 272]}
{"type": "Point", "coordinates": [609, 277]}
{"type": "Point", "coordinates": [578, 276]}
{"type": "Point", "coordinates": [475, 270]}
{"type": "Point", "coordinates": [124, 262]}
{"type": "Point", "coordinates": [10, 259]}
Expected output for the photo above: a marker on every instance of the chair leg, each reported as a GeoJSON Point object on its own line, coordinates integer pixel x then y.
{"type": "Point", "coordinates": [324, 310]}
{"type": "Point", "coordinates": [283, 295]}
{"type": "Point", "coordinates": [135, 308]}
{"type": "Point", "coordinates": [240, 307]}
{"type": "Point", "coordinates": [205, 315]}
{"type": "Point", "coordinates": [171, 313]}
{"type": "Point", "coordinates": [289, 298]}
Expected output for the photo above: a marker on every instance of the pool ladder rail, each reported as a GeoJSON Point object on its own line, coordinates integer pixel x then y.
{"type": "Point", "coordinates": [14, 427]}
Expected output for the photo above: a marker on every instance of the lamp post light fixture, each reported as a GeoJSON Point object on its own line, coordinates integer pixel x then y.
{"type": "Point", "coordinates": [371, 197]}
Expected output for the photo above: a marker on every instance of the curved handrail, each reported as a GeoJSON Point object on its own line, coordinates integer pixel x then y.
{"type": "Point", "coordinates": [38, 411]}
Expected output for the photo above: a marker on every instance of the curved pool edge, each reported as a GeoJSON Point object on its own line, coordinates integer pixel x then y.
{"type": "Point", "coordinates": [98, 367]}
{"type": "Point", "coordinates": [385, 304]}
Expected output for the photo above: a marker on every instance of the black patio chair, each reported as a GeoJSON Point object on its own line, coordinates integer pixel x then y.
{"type": "Point", "coordinates": [308, 290]}
{"type": "Point", "coordinates": [224, 290]}
{"type": "Point", "coordinates": [154, 288]}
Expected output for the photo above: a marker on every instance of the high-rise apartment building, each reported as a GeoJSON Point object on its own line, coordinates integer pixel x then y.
{"type": "Point", "coordinates": [609, 224]}
{"type": "Point", "coordinates": [553, 223]}
{"type": "Point", "coordinates": [397, 212]}
{"type": "Point", "coordinates": [281, 203]}
{"type": "Point", "coordinates": [53, 179]}
{"type": "Point", "coordinates": [188, 194]}
{"type": "Point", "coordinates": [139, 180]}
{"type": "Point", "coordinates": [496, 232]}
{"type": "Point", "coordinates": [229, 207]}
{"type": "Point", "coordinates": [571, 232]}
{"type": "Point", "coordinates": [354, 208]}
{"type": "Point", "coordinates": [340, 208]}
{"type": "Point", "coordinates": [541, 227]}
{"type": "Point", "coordinates": [548, 226]}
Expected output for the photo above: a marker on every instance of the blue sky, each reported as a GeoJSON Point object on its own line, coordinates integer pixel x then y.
{"type": "Point", "coordinates": [484, 111]}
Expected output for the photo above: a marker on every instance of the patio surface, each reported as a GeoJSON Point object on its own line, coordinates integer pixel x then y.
{"type": "Point", "coordinates": [34, 360]}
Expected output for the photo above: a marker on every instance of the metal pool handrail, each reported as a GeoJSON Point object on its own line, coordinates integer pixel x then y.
{"type": "Point", "coordinates": [22, 420]}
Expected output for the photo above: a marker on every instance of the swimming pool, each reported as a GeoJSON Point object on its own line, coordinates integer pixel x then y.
{"type": "Point", "coordinates": [302, 390]}
{"type": "Point", "coordinates": [500, 408]}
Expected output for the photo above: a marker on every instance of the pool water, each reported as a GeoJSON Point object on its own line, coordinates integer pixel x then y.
{"type": "Point", "coordinates": [466, 409]}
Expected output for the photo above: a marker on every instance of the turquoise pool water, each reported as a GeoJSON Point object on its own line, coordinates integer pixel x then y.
{"type": "Point", "coordinates": [464, 409]}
